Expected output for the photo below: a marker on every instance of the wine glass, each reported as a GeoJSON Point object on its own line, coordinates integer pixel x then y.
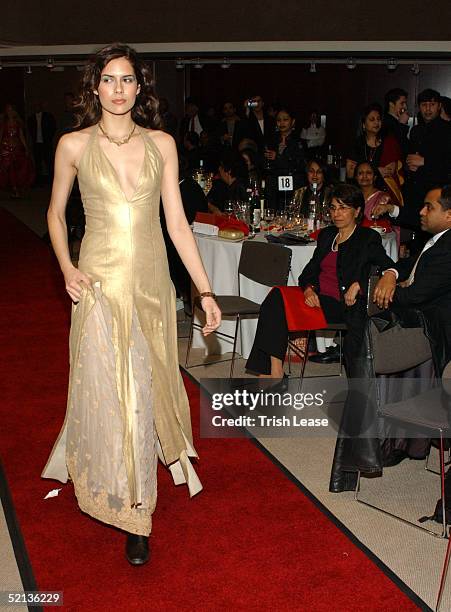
{"type": "Point", "coordinates": [269, 214]}
{"type": "Point", "coordinates": [229, 208]}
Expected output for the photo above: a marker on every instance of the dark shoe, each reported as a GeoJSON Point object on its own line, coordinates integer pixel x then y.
{"type": "Point", "coordinates": [137, 549]}
{"type": "Point", "coordinates": [331, 355]}
{"type": "Point", "coordinates": [395, 457]}
{"type": "Point", "coordinates": [343, 481]}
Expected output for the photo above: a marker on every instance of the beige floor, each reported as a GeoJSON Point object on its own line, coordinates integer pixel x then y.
{"type": "Point", "coordinates": [412, 555]}
{"type": "Point", "coordinates": [407, 489]}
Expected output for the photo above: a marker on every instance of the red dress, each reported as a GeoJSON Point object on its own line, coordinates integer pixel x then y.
{"type": "Point", "coordinates": [16, 167]}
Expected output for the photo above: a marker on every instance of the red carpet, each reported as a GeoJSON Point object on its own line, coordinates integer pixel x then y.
{"type": "Point", "coordinates": [251, 540]}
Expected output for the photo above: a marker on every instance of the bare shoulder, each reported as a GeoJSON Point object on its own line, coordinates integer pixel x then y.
{"type": "Point", "coordinates": [75, 140]}
{"type": "Point", "coordinates": [163, 141]}
{"type": "Point", "coordinates": [73, 144]}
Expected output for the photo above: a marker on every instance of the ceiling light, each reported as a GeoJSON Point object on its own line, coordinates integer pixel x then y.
{"type": "Point", "coordinates": [225, 63]}
{"type": "Point", "coordinates": [28, 70]}
{"type": "Point", "coordinates": [391, 64]}
{"type": "Point", "coordinates": [198, 64]}
{"type": "Point", "coordinates": [312, 67]}
{"type": "Point", "coordinates": [415, 68]}
{"type": "Point", "coordinates": [179, 65]}
{"type": "Point", "coordinates": [50, 63]}
{"type": "Point", "coordinates": [350, 63]}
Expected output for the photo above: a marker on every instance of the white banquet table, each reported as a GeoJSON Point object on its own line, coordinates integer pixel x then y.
{"type": "Point", "coordinates": [220, 258]}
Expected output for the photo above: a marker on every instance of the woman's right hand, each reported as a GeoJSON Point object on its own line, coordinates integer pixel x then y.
{"type": "Point", "coordinates": [311, 298]}
{"type": "Point", "coordinates": [74, 280]}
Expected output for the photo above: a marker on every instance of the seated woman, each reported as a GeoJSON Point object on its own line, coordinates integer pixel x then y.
{"type": "Point", "coordinates": [335, 279]}
{"type": "Point", "coordinates": [381, 150]}
{"type": "Point", "coordinates": [375, 199]}
{"type": "Point", "coordinates": [316, 174]}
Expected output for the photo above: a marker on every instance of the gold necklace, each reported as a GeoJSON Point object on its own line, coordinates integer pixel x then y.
{"type": "Point", "coordinates": [118, 141]}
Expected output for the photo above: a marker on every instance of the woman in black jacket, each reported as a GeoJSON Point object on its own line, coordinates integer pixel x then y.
{"type": "Point", "coordinates": [284, 157]}
{"type": "Point", "coordinates": [335, 279]}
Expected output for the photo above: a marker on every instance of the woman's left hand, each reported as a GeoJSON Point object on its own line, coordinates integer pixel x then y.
{"type": "Point", "coordinates": [213, 315]}
{"type": "Point", "coordinates": [351, 294]}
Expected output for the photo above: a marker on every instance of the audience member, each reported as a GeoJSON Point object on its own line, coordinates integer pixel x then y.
{"type": "Point", "coordinates": [258, 125]}
{"type": "Point", "coordinates": [209, 151]}
{"type": "Point", "coordinates": [41, 129]}
{"type": "Point", "coordinates": [194, 200]}
{"type": "Point", "coordinates": [231, 184]}
{"type": "Point", "coordinates": [190, 150]}
{"type": "Point", "coordinates": [285, 157]}
{"type": "Point", "coordinates": [316, 175]}
{"type": "Point", "coordinates": [445, 112]}
{"type": "Point", "coordinates": [229, 130]}
{"type": "Point", "coordinates": [191, 122]}
{"type": "Point", "coordinates": [429, 157]}
{"type": "Point", "coordinates": [16, 166]}
{"type": "Point", "coordinates": [382, 152]}
{"type": "Point", "coordinates": [169, 120]}
{"type": "Point", "coordinates": [335, 279]}
{"type": "Point", "coordinates": [365, 176]}
{"type": "Point", "coordinates": [211, 121]}
{"type": "Point", "coordinates": [416, 288]}
{"type": "Point", "coordinates": [313, 134]}
{"type": "Point", "coordinates": [396, 117]}
{"type": "Point", "coordinates": [253, 164]}
{"type": "Point", "coordinates": [68, 119]}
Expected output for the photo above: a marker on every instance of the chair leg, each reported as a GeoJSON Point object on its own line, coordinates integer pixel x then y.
{"type": "Point", "coordinates": [340, 337]}
{"type": "Point", "coordinates": [190, 338]}
{"type": "Point", "coordinates": [232, 365]}
{"type": "Point", "coordinates": [442, 484]}
{"type": "Point", "coordinates": [304, 361]}
{"type": "Point", "coordinates": [444, 574]}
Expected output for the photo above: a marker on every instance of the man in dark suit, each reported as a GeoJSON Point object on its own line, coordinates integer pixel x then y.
{"type": "Point", "coordinates": [191, 122]}
{"type": "Point", "coordinates": [424, 283]}
{"type": "Point", "coordinates": [429, 157]}
{"type": "Point", "coordinates": [396, 117]}
{"type": "Point", "coordinates": [42, 127]}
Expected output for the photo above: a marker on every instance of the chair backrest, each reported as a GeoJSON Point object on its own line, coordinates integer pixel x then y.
{"type": "Point", "coordinates": [397, 349]}
{"type": "Point", "coordinates": [267, 264]}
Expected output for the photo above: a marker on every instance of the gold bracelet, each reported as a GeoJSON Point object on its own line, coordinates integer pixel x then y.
{"type": "Point", "coordinates": [207, 294]}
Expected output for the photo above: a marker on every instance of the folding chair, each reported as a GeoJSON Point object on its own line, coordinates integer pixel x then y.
{"type": "Point", "coordinates": [267, 264]}
{"type": "Point", "coordinates": [427, 412]}
{"type": "Point", "coordinates": [301, 350]}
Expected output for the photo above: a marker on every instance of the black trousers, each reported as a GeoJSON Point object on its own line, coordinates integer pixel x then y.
{"type": "Point", "coordinates": [271, 338]}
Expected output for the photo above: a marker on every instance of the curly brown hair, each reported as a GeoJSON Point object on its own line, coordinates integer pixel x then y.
{"type": "Point", "coordinates": [88, 109]}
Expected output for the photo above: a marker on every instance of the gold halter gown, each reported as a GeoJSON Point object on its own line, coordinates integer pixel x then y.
{"type": "Point", "coordinates": [126, 398]}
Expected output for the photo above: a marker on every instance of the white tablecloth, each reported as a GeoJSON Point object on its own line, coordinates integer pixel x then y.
{"type": "Point", "coordinates": [221, 258]}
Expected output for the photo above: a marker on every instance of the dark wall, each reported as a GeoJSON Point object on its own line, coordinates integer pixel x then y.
{"type": "Point", "coordinates": [12, 89]}
{"type": "Point", "coordinates": [57, 22]}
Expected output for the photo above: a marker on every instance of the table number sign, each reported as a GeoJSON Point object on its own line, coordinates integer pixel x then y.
{"type": "Point", "coordinates": [285, 183]}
